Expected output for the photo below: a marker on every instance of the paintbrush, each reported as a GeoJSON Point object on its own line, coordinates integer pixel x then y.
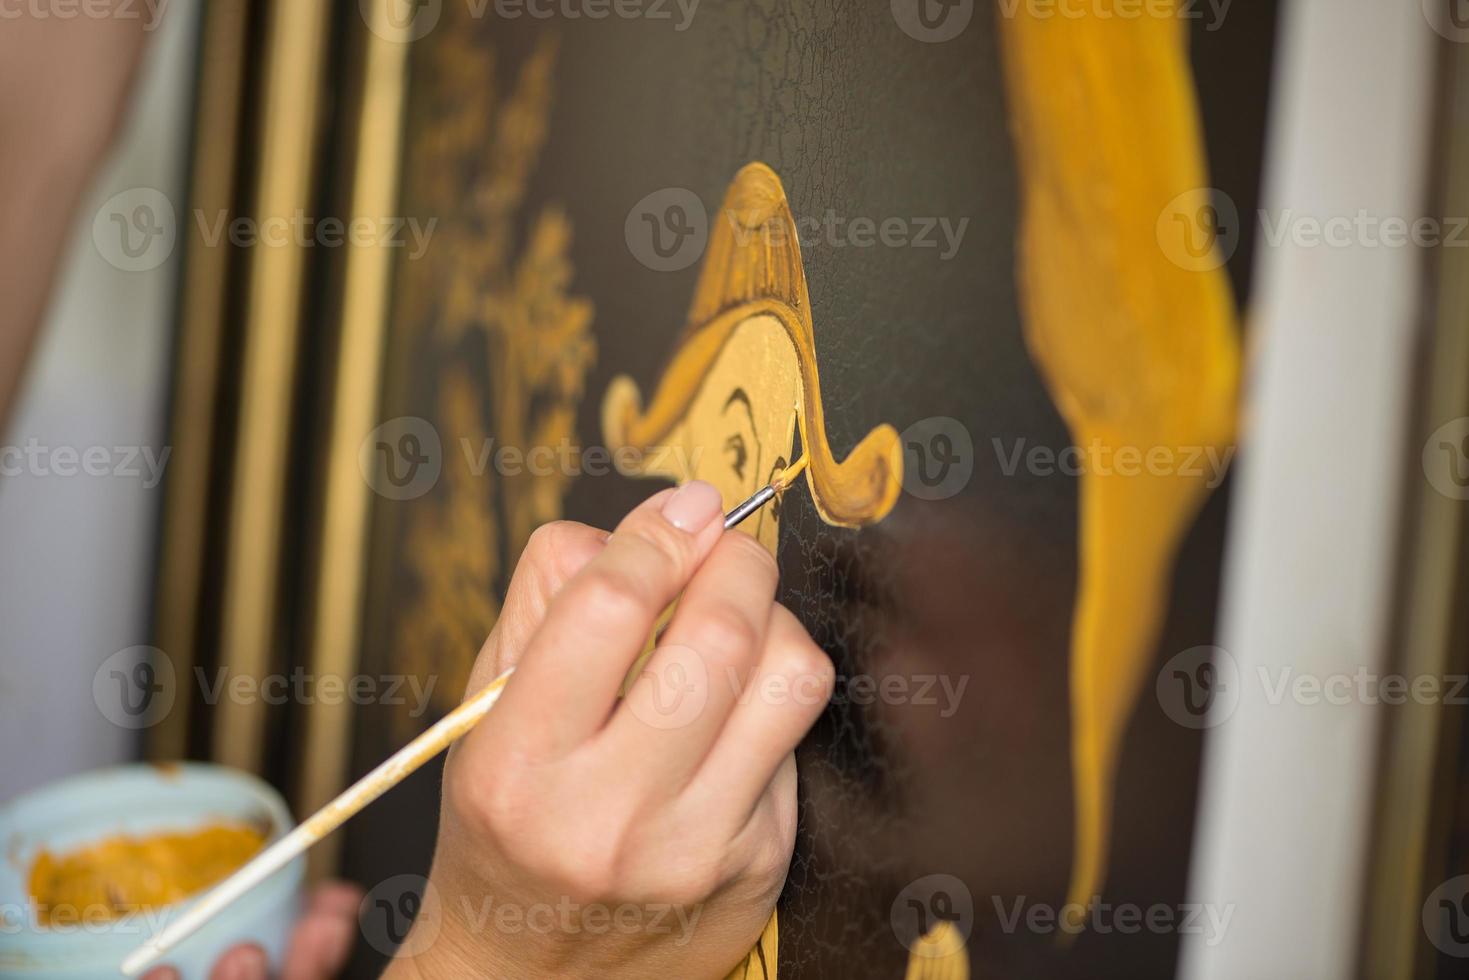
{"type": "Point", "coordinates": [453, 726]}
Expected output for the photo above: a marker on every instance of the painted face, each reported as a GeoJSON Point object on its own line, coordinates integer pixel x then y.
{"type": "Point", "coordinates": [741, 423]}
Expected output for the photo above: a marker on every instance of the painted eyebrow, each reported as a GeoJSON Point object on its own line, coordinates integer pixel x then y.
{"type": "Point", "coordinates": [738, 395]}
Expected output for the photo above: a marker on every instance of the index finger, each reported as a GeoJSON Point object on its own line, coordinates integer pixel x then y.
{"type": "Point", "coordinates": [569, 676]}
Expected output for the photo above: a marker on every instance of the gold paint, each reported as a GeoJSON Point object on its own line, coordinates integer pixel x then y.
{"type": "Point", "coordinates": [763, 960]}
{"type": "Point", "coordinates": [939, 955]}
{"type": "Point", "coordinates": [1137, 351]}
{"type": "Point", "coordinates": [742, 382]}
{"type": "Point", "coordinates": [342, 562]}
{"type": "Point", "coordinates": [296, 51]}
{"type": "Point", "coordinates": [123, 875]}
{"type": "Point", "coordinates": [454, 549]}
{"type": "Point", "coordinates": [751, 302]}
{"type": "Point", "coordinates": [465, 537]}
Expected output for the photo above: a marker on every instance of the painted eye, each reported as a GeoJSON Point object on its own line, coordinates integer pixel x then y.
{"type": "Point", "coordinates": [734, 446]}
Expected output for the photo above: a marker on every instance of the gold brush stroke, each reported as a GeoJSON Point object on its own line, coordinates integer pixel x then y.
{"type": "Point", "coordinates": [196, 388]}
{"type": "Point", "coordinates": [1135, 350]}
{"type": "Point", "coordinates": [752, 267]}
{"type": "Point", "coordinates": [296, 46]}
{"type": "Point", "coordinates": [939, 955]}
{"type": "Point", "coordinates": [342, 555]}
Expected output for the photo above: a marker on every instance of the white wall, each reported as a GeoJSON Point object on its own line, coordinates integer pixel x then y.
{"type": "Point", "coordinates": [76, 552]}
{"type": "Point", "coordinates": [1284, 812]}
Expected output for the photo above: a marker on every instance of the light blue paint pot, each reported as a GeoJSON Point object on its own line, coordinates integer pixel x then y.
{"type": "Point", "coordinates": [137, 800]}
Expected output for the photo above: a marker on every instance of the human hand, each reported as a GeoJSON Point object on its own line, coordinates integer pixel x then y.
{"type": "Point", "coordinates": [641, 836]}
{"type": "Point", "coordinates": [319, 945]}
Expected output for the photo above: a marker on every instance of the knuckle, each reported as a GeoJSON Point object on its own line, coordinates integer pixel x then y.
{"type": "Point", "coordinates": [807, 666]}
{"type": "Point", "coordinates": [610, 597]}
{"type": "Point", "coordinates": [559, 549]}
{"type": "Point", "coordinates": [494, 809]}
{"type": "Point", "coordinates": [722, 633]}
{"type": "Point", "coordinates": [770, 858]}
{"type": "Point", "coordinates": [585, 872]}
{"type": "Point", "coordinates": [690, 883]}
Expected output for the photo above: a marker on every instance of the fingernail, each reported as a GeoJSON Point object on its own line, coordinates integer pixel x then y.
{"type": "Point", "coordinates": [692, 506]}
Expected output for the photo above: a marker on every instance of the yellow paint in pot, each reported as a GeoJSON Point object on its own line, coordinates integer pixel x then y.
{"type": "Point", "coordinates": [120, 875]}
